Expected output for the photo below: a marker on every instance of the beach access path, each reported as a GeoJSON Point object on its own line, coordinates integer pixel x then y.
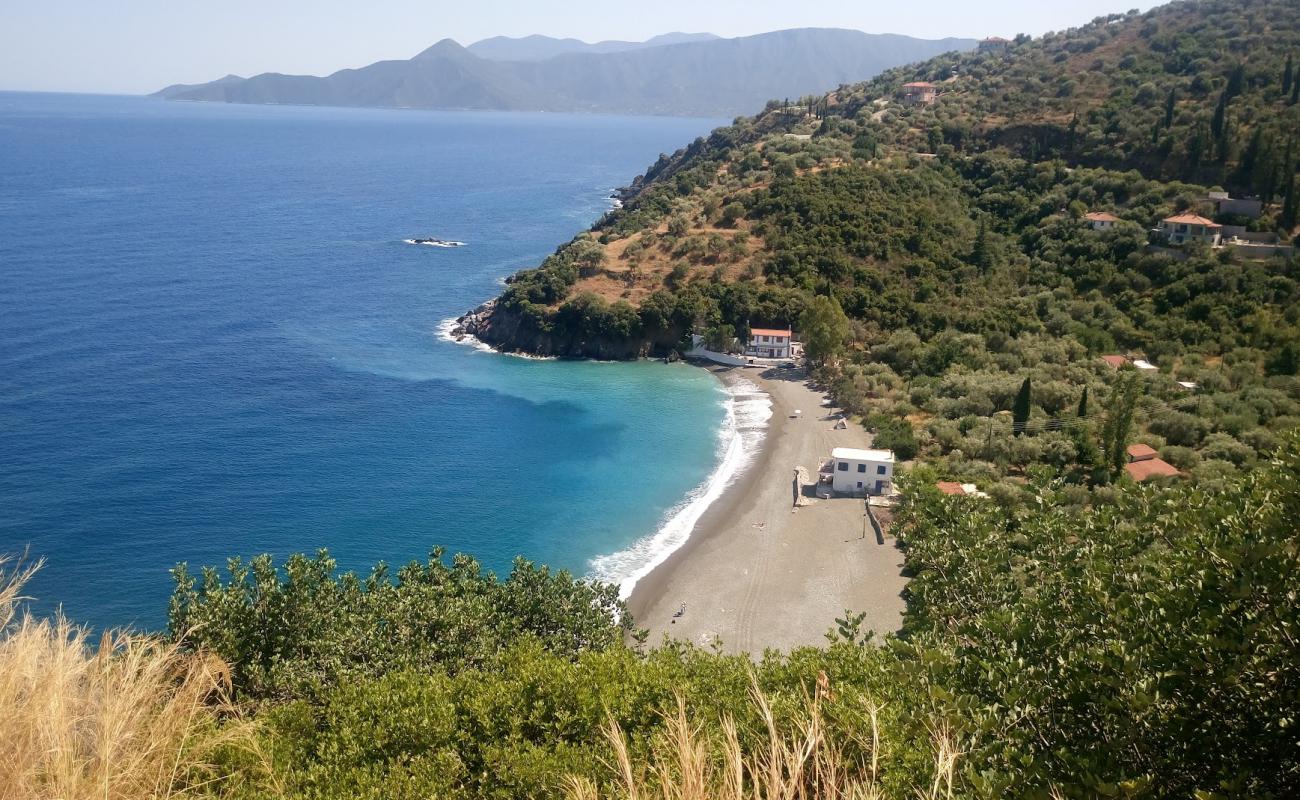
{"type": "Point", "coordinates": [759, 573]}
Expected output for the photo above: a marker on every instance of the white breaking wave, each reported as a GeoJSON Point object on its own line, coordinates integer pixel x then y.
{"type": "Point", "coordinates": [448, 325]}
{"type": "Point", "coordinates": [470, 340]}
{"type": "Point", "coordinates": [742, 432]}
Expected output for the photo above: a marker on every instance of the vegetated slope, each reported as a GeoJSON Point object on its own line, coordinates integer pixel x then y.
{"type": "Point", "coordinates": [706, 77]}
{"type": "Point", "coordinates": [1142, 647]}
{"type": "Point", "coordinates": [953, 237]}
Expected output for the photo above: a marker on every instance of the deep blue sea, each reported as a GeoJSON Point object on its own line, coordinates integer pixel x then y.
{"type": "Point", "coordinates": [214, 342]}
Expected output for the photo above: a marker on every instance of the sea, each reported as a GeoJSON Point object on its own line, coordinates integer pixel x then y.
{"type": "Point", "coordinates": [215, 341]}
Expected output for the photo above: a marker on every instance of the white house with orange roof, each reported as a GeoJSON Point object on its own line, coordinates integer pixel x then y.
{"type": "Point", "coordinates": [1184, 228]}
{"type": "Point", "coordinates": [770, 343]}
{"type": "Point", "coordinates": [1101, 220]}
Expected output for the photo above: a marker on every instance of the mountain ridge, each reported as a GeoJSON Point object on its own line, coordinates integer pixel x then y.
{"type": "Point", "coordinates": [695, 77]}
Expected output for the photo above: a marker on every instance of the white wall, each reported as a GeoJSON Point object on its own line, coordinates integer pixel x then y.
{"type": "Point", "coordinates": [846, 481]}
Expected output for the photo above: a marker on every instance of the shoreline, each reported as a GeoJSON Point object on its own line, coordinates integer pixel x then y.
{"type": "Point", "coordinates": [653, 583]}
{"type": "Point", "coordinates": [657, 560]}
{"type": "Point", "coordinates": [769, 566]}
{"type": "Point", "coordinates": [757, 569]}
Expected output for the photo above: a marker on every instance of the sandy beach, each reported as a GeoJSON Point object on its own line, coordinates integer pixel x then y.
{"type": "Point", "coordinates": [758, 572]}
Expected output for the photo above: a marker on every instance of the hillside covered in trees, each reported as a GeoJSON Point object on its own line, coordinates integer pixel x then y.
{"type": "Point", "coordinates": [953, 237]}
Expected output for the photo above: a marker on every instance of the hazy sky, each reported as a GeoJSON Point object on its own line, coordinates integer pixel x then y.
{"type": "Point", "coordinates": [137, 46]}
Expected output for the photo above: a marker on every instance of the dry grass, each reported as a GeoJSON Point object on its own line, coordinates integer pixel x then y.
{"type": "Point", "coordinates": [803, 762]}
{"type": "Point", "coordinates": [132, 718]}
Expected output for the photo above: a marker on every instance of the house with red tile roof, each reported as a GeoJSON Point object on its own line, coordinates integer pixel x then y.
{"type": "Point", "coordinates": [1184, 228]}
{"type": "Point", "coordinates": [919, 93]}
{"type": "Point", "coordinates": [1101, 220]}
{"type": "Point", "coordinates": [1145, 463]}
{"type": "Point", "coordinates": [1115, 362]}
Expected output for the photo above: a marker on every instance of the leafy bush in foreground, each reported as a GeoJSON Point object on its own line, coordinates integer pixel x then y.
{"type": "Point", "coordinates": [306, 632]}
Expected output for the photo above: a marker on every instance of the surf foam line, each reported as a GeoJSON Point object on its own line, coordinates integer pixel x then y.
{"type": "Point", "coordinates": [742, 432]}
{"type": "Point", "coordinates": [470, 340]}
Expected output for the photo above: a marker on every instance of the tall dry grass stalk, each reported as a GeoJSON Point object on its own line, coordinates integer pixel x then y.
{"type": "Point", "coordinates": [130, 719]}
{"type": "Point", "coordinates": [804, 761]}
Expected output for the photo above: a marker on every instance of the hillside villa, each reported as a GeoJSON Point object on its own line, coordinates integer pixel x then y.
{"type": "Point", "coordinates": [1101, 220]}
{"type": "Point", "coordinates": [856, 472]}
{"type": "Point", "coordinates": [993, 44]}
{"type": "Point", "coordinates": [769, 343]}
{"type": "Point", "coordinates": [1185, 228]}
{"type": "Point", "coordinates": [1144, 463]}
{"type": "Point", "coordinates": [919, 93]}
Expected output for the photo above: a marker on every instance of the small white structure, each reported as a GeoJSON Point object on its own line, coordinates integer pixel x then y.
{"type": "Point", "coordinates": [1101, 220]}
{"type": "Point", "coordinates": [1144, 365]}
{"type": "Point", "coordinates": [858, 472]}
{"type": "Point", "coordinates": [769, 343]}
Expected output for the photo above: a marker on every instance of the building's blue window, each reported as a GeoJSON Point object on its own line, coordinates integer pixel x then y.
{"type": "Point", "coordinates": [862, 468]}
{"type": "Point", "coordinates": [880, 470]}
{"type": "Point", "coordinates": [844, 466]}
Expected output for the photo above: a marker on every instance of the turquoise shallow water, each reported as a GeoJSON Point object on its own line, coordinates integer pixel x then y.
{"type": "Point", "coordinates": [214, 342]}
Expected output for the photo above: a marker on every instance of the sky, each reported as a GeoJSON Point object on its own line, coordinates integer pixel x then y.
{"type": "Point", "coordinates": [139, 46]}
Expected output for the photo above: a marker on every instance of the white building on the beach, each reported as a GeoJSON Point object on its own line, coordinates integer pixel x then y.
{"type": "Point", "coordinates": [859, 472]}
{"type": "Point", "coordinates": [769, 343]}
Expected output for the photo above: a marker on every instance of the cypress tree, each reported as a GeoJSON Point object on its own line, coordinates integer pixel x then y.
{"type": "Point", "coordinates": [1220, 115]}
{"type": "Point", "coordinates": [1236, 79]}
{"type": "Point", "coordinates": [1119, 422]}
{"type": "Point", "coordinates": [1020, 409]}
{"type": "Point", "coordinates": [1169, 109]}
{"type": "Point", "coordinates": [1287, 75]}
{"type": "Point", "coordinates": [1289, 203]}
{"type": "Point", "coordinates": [1083, 404]}
{"type": "Point", "coordinates": [980, 255]}
{"type": "Point", "coordinates": [1295, 90]}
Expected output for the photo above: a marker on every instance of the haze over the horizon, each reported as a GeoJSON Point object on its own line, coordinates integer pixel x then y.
{"type": "Point", "coordinates": [141, 45]}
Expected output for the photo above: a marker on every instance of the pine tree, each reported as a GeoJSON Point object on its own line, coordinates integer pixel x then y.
{"type": "Point", "coordinates": [1020, 409]}
{"type": "Point", "coordinates": [1287, 75]}
{"type": "Point", "coordinates": [1083, 404]}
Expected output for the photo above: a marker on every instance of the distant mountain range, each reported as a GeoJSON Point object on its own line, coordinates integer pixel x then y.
{"type": "Point", "coordinates": [677, 73]}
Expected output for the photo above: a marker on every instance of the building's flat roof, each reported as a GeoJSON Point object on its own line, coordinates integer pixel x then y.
{"type": "Point", "coordinates": [1150, 468]}
{"type": "Point", "coordinates": [1138, 452]}
{"type": "Point", "coordinates": [1141, 364]}
{"type": "Point", "coordinates": [769, 332]}
{"type": "Point", "coordinates": [853, 454]}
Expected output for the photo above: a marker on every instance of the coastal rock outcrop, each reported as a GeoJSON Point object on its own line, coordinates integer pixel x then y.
{"type": "Point", "coordinates": [497, 326]}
